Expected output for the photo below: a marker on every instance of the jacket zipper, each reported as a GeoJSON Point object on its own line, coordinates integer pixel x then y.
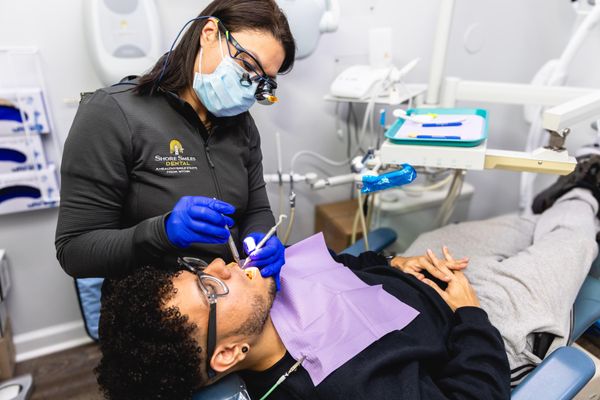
{"type": "Point", "coordinates": [213, 173]}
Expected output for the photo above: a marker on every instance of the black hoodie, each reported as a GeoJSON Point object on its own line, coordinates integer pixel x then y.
{"type": "Point", "coordinates": [440, 355]}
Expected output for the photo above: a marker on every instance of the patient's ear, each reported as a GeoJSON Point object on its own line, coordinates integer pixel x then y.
{"type": "Point", "coordinates": [226, 356]}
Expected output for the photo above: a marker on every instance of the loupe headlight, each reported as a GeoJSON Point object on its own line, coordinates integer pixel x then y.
{"type": "Point", "coordinates": [265, 92]}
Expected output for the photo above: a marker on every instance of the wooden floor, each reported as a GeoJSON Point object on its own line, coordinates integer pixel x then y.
{"type": "Point", "coordinates": [69, 375]}
{"type": "Point", "coordinates": [591, 343]}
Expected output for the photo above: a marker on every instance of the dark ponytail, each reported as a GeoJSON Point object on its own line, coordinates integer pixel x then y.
{"type": "Point", "coordinates": [236, 15]}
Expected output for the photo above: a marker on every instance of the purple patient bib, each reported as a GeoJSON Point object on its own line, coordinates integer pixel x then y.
{"type": "Point", "coordinates": [324, 312]}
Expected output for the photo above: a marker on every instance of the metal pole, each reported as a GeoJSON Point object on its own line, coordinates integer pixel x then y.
{"type": "Point", "coordinates": [440, 50]}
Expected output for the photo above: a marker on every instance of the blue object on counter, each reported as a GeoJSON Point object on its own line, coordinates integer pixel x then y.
{"type": "Point", "coordinates": [442, 125]}
{"type": "Point", "coordinates": [386, 181]}
{"type": "Point", "coordinates": [382, 114]}
{"type": "Point", "coordinates": [10, 113]}
{"type": "Point", "coordinates": [438, 137]}
{"type": "Point", "coordinates": [13, 192]}
{"type": "Point", "coordinates": [12, 155]}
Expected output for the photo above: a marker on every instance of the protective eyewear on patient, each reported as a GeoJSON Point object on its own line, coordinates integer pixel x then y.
{"type": "Point", "coordinates": [212, 288]}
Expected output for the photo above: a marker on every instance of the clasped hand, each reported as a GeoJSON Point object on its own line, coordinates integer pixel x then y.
{"type": "Point", "coordinates": [458, 293]}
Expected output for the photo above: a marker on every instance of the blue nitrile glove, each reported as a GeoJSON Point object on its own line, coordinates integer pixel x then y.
{"type": "Point", "coordinates": [269, 259]}
{"type": "Point", "coordinates": [197, 219]}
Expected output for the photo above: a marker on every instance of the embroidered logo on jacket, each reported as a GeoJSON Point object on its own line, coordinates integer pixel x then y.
{"type": "Point", "coordinates": [175, 147]}
{"type": "Point", "coordinates": [175, 162]}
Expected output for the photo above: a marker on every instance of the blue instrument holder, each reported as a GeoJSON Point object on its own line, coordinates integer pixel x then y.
{"type": "Point", "coordinates": [389, 180]}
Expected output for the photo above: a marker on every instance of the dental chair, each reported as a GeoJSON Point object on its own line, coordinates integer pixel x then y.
{"type": "Point", "coordinates": [559, 377]}
{"type": "Point", "coordinates": [564, 372]}
{"type": "Point", "coordinates": [567, 370]}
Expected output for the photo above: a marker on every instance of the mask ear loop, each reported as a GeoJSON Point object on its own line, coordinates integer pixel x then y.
{"type": "Point", "coordinates": [220, 49]}
{"type": "Point", "coordinates": [200, 66]}
{"type": "Point", "coordinates": [201, 50]}
{"type": "Point", "coordinates": [220, 43]}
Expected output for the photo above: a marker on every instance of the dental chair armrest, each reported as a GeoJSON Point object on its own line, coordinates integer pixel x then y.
{"type": "Point", "coordinates": [559, 377]}
{"type": "Point", "coordinates": [586, 308]}
{"type": "Point", "coordinates": [231, 387]}
{"type": "Point", "coordinates": [379, 239]}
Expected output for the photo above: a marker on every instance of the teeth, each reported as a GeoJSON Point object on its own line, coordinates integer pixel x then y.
{"type": "Point", "coordinates": [251, 272]}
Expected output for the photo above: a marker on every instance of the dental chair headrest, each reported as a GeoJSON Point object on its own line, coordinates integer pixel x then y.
{"type": "Point", "coordinates": [231, 387]}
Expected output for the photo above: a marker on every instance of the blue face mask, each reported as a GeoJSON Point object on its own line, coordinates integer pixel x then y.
{"type": "Point", "coordinates": [222, 92]}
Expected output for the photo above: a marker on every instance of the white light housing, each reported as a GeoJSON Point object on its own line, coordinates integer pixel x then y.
{"type": "Point", "coordinates": [123, 37]}
{"type": "Point", "coordinates": [308, 20]}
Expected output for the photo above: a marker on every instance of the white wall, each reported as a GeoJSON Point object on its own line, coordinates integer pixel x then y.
{"type": "Point", "coordinates": [43, 296]}
{"type": "Point", "coordinates": [521, 36]}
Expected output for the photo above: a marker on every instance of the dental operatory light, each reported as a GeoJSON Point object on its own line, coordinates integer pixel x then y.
{"type": "Point", "coordinates": [309, 19]}
{"type": "Point", "coordinates": [123, 37]}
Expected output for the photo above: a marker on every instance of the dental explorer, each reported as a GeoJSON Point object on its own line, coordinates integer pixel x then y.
{"type": "Point", "coordinates": [232, 247]}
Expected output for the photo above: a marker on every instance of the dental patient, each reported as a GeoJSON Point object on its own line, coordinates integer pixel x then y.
{"type": "Point", "coordinates": [420, 327]}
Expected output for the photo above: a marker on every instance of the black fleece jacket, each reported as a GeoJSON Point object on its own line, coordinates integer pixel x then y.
{"type": "Point", "coordinates": [129, 158]}
{"type": "Point", "coordinates": [439, 355]}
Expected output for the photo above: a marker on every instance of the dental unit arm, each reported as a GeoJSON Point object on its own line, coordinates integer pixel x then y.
{"type": "Point", "coordinates": [568, 107]}
{"type": "Point", "coordinates": [559, 120]}
{"type": "Point", "coordinates": [571, 104]}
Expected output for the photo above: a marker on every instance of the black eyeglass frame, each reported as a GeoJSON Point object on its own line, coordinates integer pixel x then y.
{"type": "Point", "coordinates": [260, 75]}
{"type": "Point", "coordinates": [265, 91]}
{"type": "Point", "coordinates": [196, 266]}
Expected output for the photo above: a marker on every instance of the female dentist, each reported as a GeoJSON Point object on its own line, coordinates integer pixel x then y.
{"type": "Point", "coordinates": [161, 166]}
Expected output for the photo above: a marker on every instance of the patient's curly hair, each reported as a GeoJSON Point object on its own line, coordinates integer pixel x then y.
{"type": "Point", "coordinates": [148, 351]}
